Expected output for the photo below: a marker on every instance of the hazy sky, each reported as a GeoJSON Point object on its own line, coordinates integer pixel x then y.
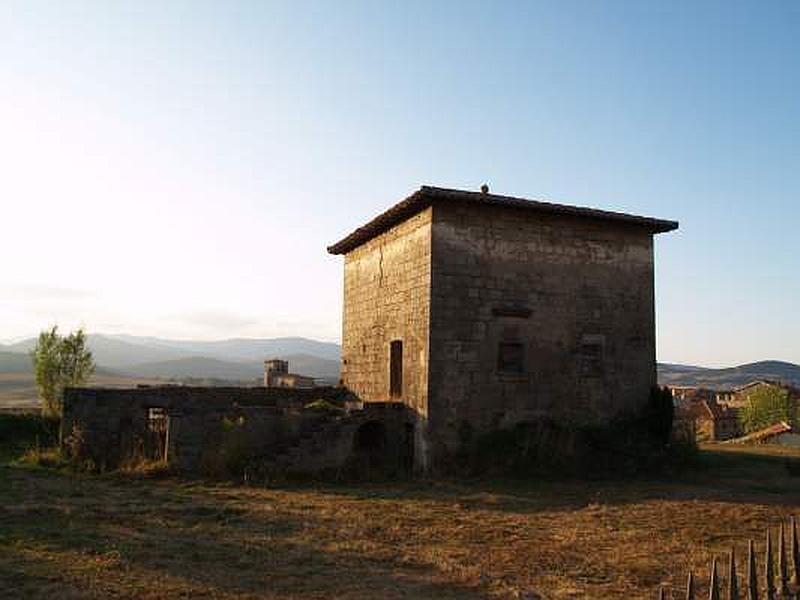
{"type": "Point", "coordinates": [177, 169]}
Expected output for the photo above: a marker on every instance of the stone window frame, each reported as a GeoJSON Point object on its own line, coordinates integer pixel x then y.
{"type": "Point", "coordinates": [514, 366]}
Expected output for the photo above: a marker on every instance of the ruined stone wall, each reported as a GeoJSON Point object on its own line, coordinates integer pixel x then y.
{"type": "Point", "coordinates": [574, 298]}
{"type": "Point", "coordinates": [386, 298]}
{"type": "Point", "coordinates": [113, 425]}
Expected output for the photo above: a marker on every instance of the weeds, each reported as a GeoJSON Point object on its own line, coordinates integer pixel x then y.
{"type": "Point", "coordinates": [146, 467]}
{"type": "Point", "coordinates": [43, 458]}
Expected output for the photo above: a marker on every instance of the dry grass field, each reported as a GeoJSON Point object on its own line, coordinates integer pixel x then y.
{"type": "Point", "coordinates": [70, 536]}
{"type": "Point", "coordinates": [18, 390]}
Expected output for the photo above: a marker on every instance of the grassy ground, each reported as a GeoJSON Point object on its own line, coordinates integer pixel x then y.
{"type": "Point", "coordinates": [77, 536]}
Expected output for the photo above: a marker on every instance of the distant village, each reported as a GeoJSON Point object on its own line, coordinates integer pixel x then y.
{"type": "Point", "coordinates": [715, 415]}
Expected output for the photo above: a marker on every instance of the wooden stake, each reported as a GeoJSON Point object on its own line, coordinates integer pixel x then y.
{"type": "Point", "coordinates": [752, 573]}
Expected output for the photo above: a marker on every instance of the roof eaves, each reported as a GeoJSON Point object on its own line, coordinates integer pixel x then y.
{"type": "Point", "coordinates": [655, 225]}
{"type": "Point", "coordinates": [423, 198]}
{"type": "Point", "coordinates": [402, 210]}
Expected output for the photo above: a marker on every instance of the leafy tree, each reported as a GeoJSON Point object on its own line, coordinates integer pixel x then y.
{"type": "Point", "coordinates": [767, 405]}
{"type": "Point", "coordinates": [60, 362]}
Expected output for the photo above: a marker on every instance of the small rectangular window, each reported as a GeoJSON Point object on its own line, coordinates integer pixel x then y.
{"type": "Point", "coordinates": [511, 357]}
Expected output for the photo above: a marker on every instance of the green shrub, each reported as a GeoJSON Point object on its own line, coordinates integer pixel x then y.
{"type": "Point", "coordinates": [19, 432]}
{"type": "Point", "coordinates": [322, 405]}
{"type": "Point", "coordinates": [46, 458]}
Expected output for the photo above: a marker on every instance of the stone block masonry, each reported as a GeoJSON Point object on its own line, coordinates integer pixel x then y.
{"type": "Point", "coordinates": [212, 430]}
{"type": "Point", "coordinates": [481, 311]}
{"type": "Point", "coordinates": [568, 300]}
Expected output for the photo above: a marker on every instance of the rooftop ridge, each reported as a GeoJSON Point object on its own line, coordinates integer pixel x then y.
{"type": "Point", "coordinates": [426, 195]}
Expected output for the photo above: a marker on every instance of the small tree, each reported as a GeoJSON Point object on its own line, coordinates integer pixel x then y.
{"type": "Point", "coordinates": [60, 362]}
{"type": "Point", "coordinates": [659, 414]}
{"type": "Point", "coordinates": [767, 405]}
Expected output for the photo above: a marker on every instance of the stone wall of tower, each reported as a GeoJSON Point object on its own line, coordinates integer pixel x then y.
{"type": "Point", "coordinates": [572, 299]}
{"type": "Point", "coordinates": [386, 298]}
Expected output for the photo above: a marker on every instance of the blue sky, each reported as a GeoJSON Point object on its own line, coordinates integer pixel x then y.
{"type": "Point", "coordinates": [178, 168]}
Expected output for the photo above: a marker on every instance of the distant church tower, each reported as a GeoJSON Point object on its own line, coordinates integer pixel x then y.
{"type": "Point", "coordinates": [276, 374]}
{"type": "Point", "coordinates": [273, 369]}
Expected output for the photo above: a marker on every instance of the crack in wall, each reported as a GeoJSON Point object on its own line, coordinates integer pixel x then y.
{"type": "Point", "coordinates": [380, 265]}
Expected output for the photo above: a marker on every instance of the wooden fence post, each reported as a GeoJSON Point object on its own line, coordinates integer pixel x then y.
{"type": "Point", "coordinates": [733, 584]}
{"type": "Point", "coordinates": [752, 573]}
{"type": "Point", "coordinates": [769, 569]}
{"type": "Point", "coordinates": [713, 585]}
{"type": "Point", "coordinates": [788, 587]}
{"type": "Point", "coordinates": [795, 556]}
{"type": "Point", "coordinates": [782, 564]}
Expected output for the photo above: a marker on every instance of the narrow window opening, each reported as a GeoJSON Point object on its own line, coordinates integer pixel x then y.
{"type": "Point", "coordinates": [511, 357]}
{"type": "Point", "coordinates": [591, 355]}
{"type": "Point", "coordinates": [396, 369]}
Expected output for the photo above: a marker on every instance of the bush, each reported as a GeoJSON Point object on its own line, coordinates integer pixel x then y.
{"type": "Point", "coordinates": [323, 406]}
{"type": "Point", "coordinates": [46, 458]}
{"type": "Point", "coordinates": [19, 432]}
{"type": "Point", "coordinates": [628, 445]}
{"type": "Point", "coordinates": [145, 467]}
{"type": "Point", "coordinates": [233, 451]}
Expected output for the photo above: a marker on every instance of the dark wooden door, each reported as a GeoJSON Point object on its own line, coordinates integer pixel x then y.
{"type": "Point", "coordinates": [396, 369]}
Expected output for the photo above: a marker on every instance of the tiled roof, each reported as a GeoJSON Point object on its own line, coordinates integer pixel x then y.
{"type": "Point", "coordinates": [427, 195]}
{"type": "Point", "coordinates": [764, 434]}
{"type": "Point", "coordinates": [706, 409]}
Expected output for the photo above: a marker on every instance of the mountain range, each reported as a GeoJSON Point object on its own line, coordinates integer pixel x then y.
{"type": "Point", "coordinates": [234, 359]}
{"type": "Point", "coordinates": [786, 372]}
{"type": "Point", "coordinates": [242, 360]}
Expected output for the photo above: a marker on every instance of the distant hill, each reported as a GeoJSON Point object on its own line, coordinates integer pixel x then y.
{"type": "Point", "coordinates": [13, 362]}
{"type": "Point", "coordinates": [669, 374]}
{"type": "Point", "coordinates": [198, 367]}
{"type": "Point", "coordinates": [113, 353]}
{"type": "Point", "coordinates": [240, 349]}
{"type": "Point", "coordinates": [17, 362]}
{"type": "Point", "coordinates": [240, 359]}
{"type": "Point", "coordinates": [234, 359]}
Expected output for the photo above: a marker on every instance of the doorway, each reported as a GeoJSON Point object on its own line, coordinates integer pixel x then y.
{"type": "Point", "coordinates": [396, 369]}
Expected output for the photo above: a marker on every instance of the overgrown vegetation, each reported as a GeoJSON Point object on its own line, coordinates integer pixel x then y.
{"type": "Point", "coordinates": [46, 458]}
{"type": "Point", "coordinates": [629, 445]}
{"type": "Point", "coordinates": [767, 405]}
{"type": "Point", "coordinates": [60, 362]}
{"type": "Point", "coordinates": [324, 406]}
{"type": "Point", "coordinates": [20, 433]}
